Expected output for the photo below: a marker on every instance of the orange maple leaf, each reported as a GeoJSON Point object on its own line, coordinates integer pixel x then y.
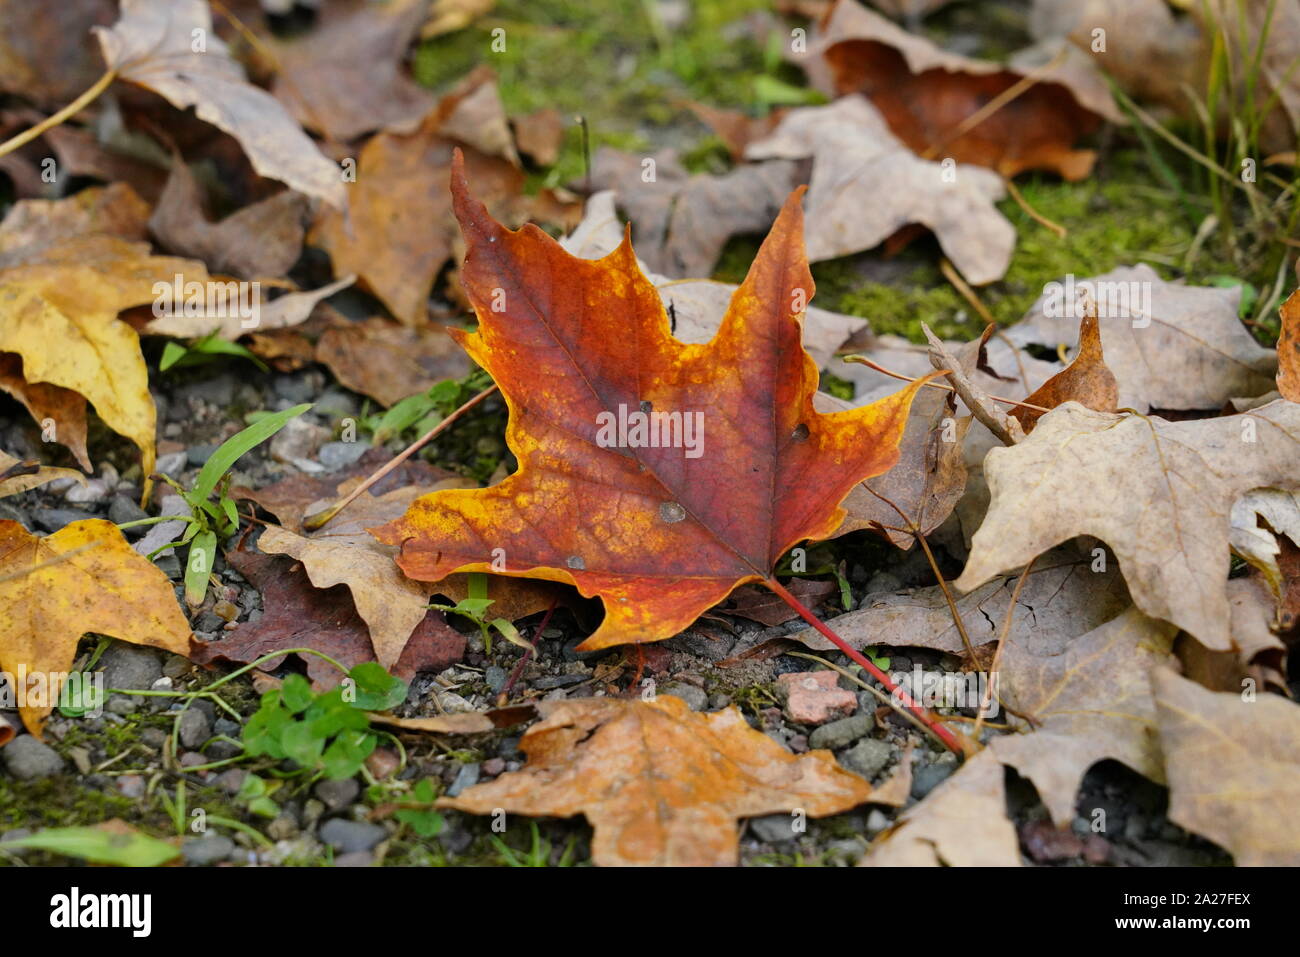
{"type": "Point", "coordinates": [659, 530]}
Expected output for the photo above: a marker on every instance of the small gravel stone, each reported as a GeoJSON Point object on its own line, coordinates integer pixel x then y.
{"type": "Point", "coordinates": [121, 704]}
{"type": "Point", "coordinates": [774, 828]}
{"type": "Point", "coordinates": [466, 777]}
{"type": "Point", "coordinates": [840, 733]}
{"type": "Point", "coordinates": [867, 757]}
{"type": "Point", "coordinates": [173, 463]}
{"type": "Point", "coordinates": [695, 698]}
{"type": "Point", "coordinates": [928, 777]}
{"type": "Point", "coordinates": [494, 678]}
{"type": "Point", "coordinates": [198, 455]}
{"type": "Point", "coordinates": [548, 682]}
{"type": "Point", "coordinates": [207, 849]}
{"type": "Point", "coordinates": [28, 759]}
{"type": "Point", "coordinates": [338, 794]}
{"type": "Point", "coordinates": [195, 728]}
{"type": "Point", "coordinates": [131, 785]}
{"type": "Point", "coordinates": [338, 455]}
{"type": "Point", "coordinates": [225, 610]}
{"type": "Point", "coordinates": [131, 667]}
{"type": "Point", "coordinates": [282, 828]}
{"type": "Point", "coordinates": [349, 836]}
{"type": "Point", "coordinates": [231, 780]}
{"type": "Point", "coordinates": [299, 439]}
{"type": "Point", "coordinates": [123, 509]}
{"type": "Point", "coordinates": [493, 766]}
{"type": "Point", "coordinates": [53, 519]}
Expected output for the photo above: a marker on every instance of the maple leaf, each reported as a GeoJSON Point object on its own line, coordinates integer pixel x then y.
{"type": "Point", "coordinates": [661, 784]}
{"type": "Point", "coordinates": [961, 823]}
{"type": "Point", "coordinates": [1232, 768]}
{"type": "Point", "coordinates": [866, 186]}
{"type": "Point", "coordinates": [659, 534]}
{"type": "Point", "coordinates": [1090, 701]}
{"type": "Point", "coordinates": [152, 45]}
{"type": "Point", "coordinates": [85, 577]}
{"type": "Point", "coordinates": [1158, 493]}
{"type": "Point", "coordinates": [1086, 380]}
{"type": "Point", "coordinates": [1169, 346]}
{"type": "Point", "coordinates": [926, 94]}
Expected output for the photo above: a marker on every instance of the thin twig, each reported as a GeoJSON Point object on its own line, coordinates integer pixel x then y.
{"type": "Point", "coordinates": [940, 732]}
{"type": "Point", "coordinates": [950, 273]}
{"type": "Point", "coordinates": [1032, 213]}
{"type": "Point", "coordinates": [871, 364]}
{"type": "Point", "coordinates": [318, 519]}
{"type": "Point", "coordinates": [69, 111]}
{"type": "Point", "coordinates": [987, 699]}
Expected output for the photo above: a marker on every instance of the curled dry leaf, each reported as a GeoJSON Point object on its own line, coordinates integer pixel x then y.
{"type": "Point", "coordinates": [1288, 349]}
{"type": "Point", "coordinates": [388, 361]}
{"type": "Point", "coordinates": [1259, 519]}
{"type": "Point", "coordinates": [961, 823]}
{"type": "Point", "coordinates": [19, 476]}
{"type": "Point", "coordinates": [696, 306]}
{"type": "Point", "coordinates": [681, 220]}
{"type": "Point", "coordinates": [85, 577]}
{"type": "Point", "coordinates": [659, 531]}
{"type": "Point", "coordinates": [926, 93]}
{"type": "Point", "coordinates": [71, 294]}
{"type": "Point", "coordinates": [661, 784]}
{"type": "Point", "coordinates": [1158, 493]}
{"type": "Point", "coordinates": [1086, 380]}
{"type": "Point", "coordinates": [1169, 346]}
{"type": "Point", "coordinates": [1232, 768]}
{"type": "Point", "coordinates": [49, 403]}
{"type": "Point", "coordinates": [982, 406]}
{"type": "Point", "coordinates": [153, 45]}
{"type": "Point", "coordinates": [1089, 701]}
{"type": "Point", "coordinates": [866, 186]}
{"type": "Point", "coordinates": [264, 239]}
{"type": "Point", "coordinates": [34, 225]}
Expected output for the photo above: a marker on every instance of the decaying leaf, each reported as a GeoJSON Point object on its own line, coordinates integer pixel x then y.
{"type": "Point", "coordinates": [659, 531]}
{"type": "Point", "coordinates": [71, 294]}
{"type": "Point", "coordinates": [696, 306]}
{"type": "Point", "coordinates": [1258, 521]}
{"type": "Point", "coordinates": [49, 403]}
{"type": "Point", "coordinates": [346, 78]}
{"type": "Point", "coordinates": [1089, 701]}
{"type": "Point", "coordinates": [1086, 380]}
{"type": "Point", "coordinates": [961, 823]}
{"type": "Point", "coordinates": [399, 229]}
{"type": "Point", "coordinates": [1169, 346]}
{"type": "Point", "coordinates": [34, 225]}
{"type": "Point", "coordinates": [1288, 349]}
{"type": "Point", "coordinates": [245, 314]}
{"type": "Point", "coordinates": [1158, 493]}
{"type": "Point", "coordinates": [387, 361]}
{"type": "Point", "coordinates": [1232, 767]}
{"type": "Point", "coordinates": [981, 404]}
{"type": "Point", "coordinates": [50, 59]}
{"type": "Point", "coordinates": [866, 186]}
{"type": "Point", "coordinates": [926, 94]}
{"type": "Point", "coordinates": [153, 45]}
{"type": "Point", "coordinates": [661, 784]}
{"type": "Point", "coordinates": [1062, 598]}
{"type": "Point", "coordinates": [261, 240]}
{"type": "Point", "coordinates": [85, 577]}
{"type": "Point", "coordinates": [19, 476]}
{"type": "Point", "coordinates": [296, 614]}
{"type": "Point", "coordinates": [681, 220]}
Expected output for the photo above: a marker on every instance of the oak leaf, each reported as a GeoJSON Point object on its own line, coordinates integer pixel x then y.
{"type": "Point", "coordinates": [1233, 773]}
{"type": "Point", "coordinates": [1090, 701]}
{"type": "Point", "coordinates": [1169, 346]}
{"type": "Point", "coordinates": [661, 784]}
{"type": "Point", "coordinates": [660, 534]}
{"type": "Point", "coordinates": [866, 186]}
{"type": "Point", "coordinates": [85, 577]}
{"type": "Point", "coordinates": [1158, 493]}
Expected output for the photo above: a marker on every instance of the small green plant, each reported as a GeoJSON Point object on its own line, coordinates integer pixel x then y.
{"type": "Point", "coordinates": [474, 607]}
{"type": "Point", "coordinates": [424, 821]}
{"type": "Point", "coordinates": [539, 852]}
{"type": "Point", "coordinates": [328, 735]}
{"type": "Point", "coordinates": [212, 520]}
{"type": "Point", "coordinates": [202, 351]}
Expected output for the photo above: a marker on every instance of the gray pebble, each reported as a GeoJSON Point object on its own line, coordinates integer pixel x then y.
{"type": "Point", "coordinates": [131, 667]}
{"type": "Point", "coordinates": [173, 463]}
{"type": "Point", "coordinates": [695, 698]}
{"type": "Point", "coordinates": [338, 455]}
{"type": "Point", "coordinates": [123, 509]}
{"type": "Point", "coordinates": [495, 677]}
{"type": "Point", "coordinates": [867, 757]}
{"type": "Point", "coordinates": [207, 849]}
{"type": "Point", "coordinates": [774, 828]}
{"type": "Point", "coordinates": [338, 794]}
{"type": "Point", "coordinates": [466, 777]}
{"type": "Point", "coordinates": [928, 777]}
{"type": "Point", "coordinates": [837, 734]}
{"type": "Point", "coordinates": [198, 455]}
{"type": "Point", "coordinates": [195, 728]}
{"type": "Point", "coordinates": [53, 519]}
{"type": "Point", "coordinates": [349, 836]}
{"type": "Point", "coordinates": [28, 759]}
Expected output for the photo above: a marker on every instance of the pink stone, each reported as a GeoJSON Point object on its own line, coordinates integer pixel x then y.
{"type": "Point", "coordinates": [813, 697]}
